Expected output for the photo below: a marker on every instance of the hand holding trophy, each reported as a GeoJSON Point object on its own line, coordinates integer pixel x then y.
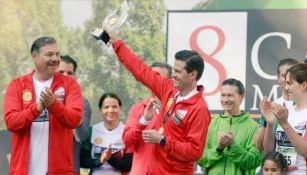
{"type": "Point", "coordinates": [113, 21]}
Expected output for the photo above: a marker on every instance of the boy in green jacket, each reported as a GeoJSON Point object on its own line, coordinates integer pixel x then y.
{"type": "Point", "coordinates": [230, 147]}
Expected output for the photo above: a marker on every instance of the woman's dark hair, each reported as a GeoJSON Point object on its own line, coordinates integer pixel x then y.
{"type": "Point", "coordinates": [278, 158]}
{"type": "Point", "coordinates": [110, 95]}
{"type": "Point", "coordinates": [286, 61]}
{"type": "Point", "coordinates": [235, 82]}
{"type": "Point", "coordinates": [298, 72]}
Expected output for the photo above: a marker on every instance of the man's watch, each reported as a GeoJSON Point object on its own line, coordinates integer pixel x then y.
{"type": "Point", "coordinates": [163, 141]}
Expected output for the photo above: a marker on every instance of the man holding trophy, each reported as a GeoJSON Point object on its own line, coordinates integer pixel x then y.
{"type": "Point", "coordinates": [184, 117]}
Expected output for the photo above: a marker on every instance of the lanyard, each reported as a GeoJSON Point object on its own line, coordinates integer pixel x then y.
{"type": "Point", "coordinates": [169, 111]}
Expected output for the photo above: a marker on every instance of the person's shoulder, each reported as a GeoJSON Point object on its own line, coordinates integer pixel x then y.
{"type": "Point", "coordinates": [24, 79]}
{"type": "Point", "coordinates": [250, 120]}
{"type": "Point", "coordinates": [67, 81]}
{"type": "Point", "coordinates": [63, 77]}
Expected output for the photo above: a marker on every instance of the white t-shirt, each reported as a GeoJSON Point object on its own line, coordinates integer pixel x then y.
{"type": "Point", "coordinates": [39, 135]}
{"type": "Point", "coordinates": [281, 101]}
{"type": "Point", "coordinates": [298, 122]}
{"type": "Point", "coordinates": [101, 139]}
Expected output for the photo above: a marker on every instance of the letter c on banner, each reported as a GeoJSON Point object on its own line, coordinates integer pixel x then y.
{"type": "Point", "coordinates": [255, 50]}
{"type": "Point", "coordinates": [209, 57]}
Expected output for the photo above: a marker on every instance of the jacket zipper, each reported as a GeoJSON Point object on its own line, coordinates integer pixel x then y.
{"type": "Point", "coordinates": [225, 163]}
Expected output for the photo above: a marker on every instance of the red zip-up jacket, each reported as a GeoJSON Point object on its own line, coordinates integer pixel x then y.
{"type": "Point", "coordinates": [19, 112]}
{"type": "Point", "coordinates": [132, 136]}
{"type": "Point", "coordinates": [186, 127]}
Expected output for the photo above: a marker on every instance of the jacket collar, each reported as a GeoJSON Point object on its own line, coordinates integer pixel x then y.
{"type": "Point", "coordinates": [193, 99]}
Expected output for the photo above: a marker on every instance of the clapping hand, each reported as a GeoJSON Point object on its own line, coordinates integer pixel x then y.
{"type": "Point", "coordinates": [106, 155]}
{"type": "Point", "coordinates": [225, 139]}
{"type": "Point", "coordinates": [266, 109]}
{"type": "Point", "coordinates": [47, 97]}
{"type": "Point", "coordinates": [281, 114]}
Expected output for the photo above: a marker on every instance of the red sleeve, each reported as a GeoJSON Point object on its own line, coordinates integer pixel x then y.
{"type": "Point", "coordinates": [16, 118]}
{"type": "Point", "coordinates": [70, 114]}
{"type": "Point", "coordinates": [192, 148]}
{"type": "Point", "coordinates": [154, 81]}
{"type": "Point", "coordinates": [133, 129]}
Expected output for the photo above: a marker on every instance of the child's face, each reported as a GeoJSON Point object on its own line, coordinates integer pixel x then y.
{"type": "Point", "coordinates": [271, 168]}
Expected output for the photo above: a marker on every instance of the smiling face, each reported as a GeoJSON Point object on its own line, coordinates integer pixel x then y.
{"type": "Point", "coordinates": [110, 110]}
{"type": "Point", "coordinates": [294, 89]}
{"type": "Point", "coordinates": [230, 99]}
{"type": "Point", "coordinates": [271, 168]}
{"type": "Point", "coordinates": [281, 77]}
{"type": "Point", "coordinates": [182, 79]}
{"type": "Point", "coordinates": [46, 60]}
{"type": "Point", "coordinates": [66, 69]}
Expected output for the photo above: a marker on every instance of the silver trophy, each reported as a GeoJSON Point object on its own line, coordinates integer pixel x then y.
{"type": "Point", "coordinates": [113, 21]}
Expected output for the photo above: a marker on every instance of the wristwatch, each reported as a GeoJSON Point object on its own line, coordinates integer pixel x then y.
{"type": "Point", "coordinates": [220, 150]}
{"type": "Point", "coordinates": [163, 141]}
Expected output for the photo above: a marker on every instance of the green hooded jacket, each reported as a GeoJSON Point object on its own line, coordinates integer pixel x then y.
{"type": "Point", "coordinates": [241, 157]}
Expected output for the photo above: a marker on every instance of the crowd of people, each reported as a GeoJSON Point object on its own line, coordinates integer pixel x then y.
{"type": "Point", "coordinates": [165, 133]}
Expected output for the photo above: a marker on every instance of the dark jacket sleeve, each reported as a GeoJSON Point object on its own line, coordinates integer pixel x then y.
{"type": "Point", "coordinates": [123, 164]}
{"type": "Point", "coordinates": [82, 131]}
{"type": "Point", "coordinates": [86, 161]}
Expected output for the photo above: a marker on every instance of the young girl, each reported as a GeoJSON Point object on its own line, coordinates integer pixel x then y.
{"type": "Point", "coordinates": [274, 163]}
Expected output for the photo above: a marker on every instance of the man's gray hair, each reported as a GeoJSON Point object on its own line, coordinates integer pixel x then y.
{"type": "Point", "coordinates": [41, 42]}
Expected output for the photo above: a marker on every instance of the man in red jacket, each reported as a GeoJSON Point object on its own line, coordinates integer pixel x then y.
{"type": "Point", "coordinates": [184, 117]}
{"type": "Point", "coordinates": [41, 109]}
{"type": "Point", "coordinates": [132, 135]}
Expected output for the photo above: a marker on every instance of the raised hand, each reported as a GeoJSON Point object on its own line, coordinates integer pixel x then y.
{"type": "Point", "coordinates": [157, 103]}
{"type": "Point", "coordinates": [112, 34]}
{"type": "Point", "coordinates": [281, 114]}
{"type": "Point", "coordinates": [266, 109]}
{"type": "Point", "coordinates": [149, 110]}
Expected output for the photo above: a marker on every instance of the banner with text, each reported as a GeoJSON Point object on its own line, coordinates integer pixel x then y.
{"type": "Point", "coordinates": [246, 45]}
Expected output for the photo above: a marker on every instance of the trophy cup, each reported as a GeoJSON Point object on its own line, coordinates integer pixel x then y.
{"type": "Point", "coordinates": [113, 21]}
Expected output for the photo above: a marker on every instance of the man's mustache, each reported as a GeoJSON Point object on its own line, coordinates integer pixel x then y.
{"type": "Point", "coordinates": [53, 63]}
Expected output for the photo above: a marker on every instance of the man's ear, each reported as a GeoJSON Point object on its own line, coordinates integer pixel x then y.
{"type": "Point", "coordinates": [194, 74]}
{"type": "Point", "coordinates": [305, 85]}
{"type": "Point", "coordinates": [242, 98]}
{"type": "Point", "coordinates": [34, 55]}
